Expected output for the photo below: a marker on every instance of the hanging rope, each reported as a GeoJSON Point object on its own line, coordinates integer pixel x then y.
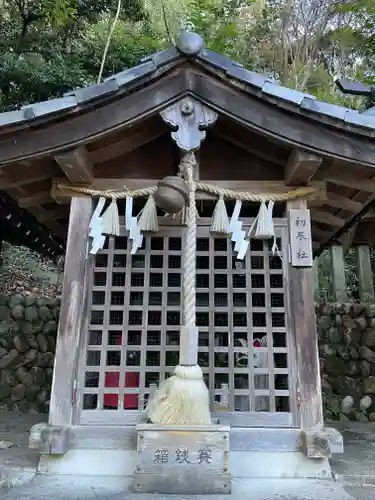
{"type": "Point", "coordinates": [199, 186]}
{"type": "Point", "coordinates": [234, 195]}
{"type": "Point", "coordinates": [109, 193]}
{"type": "Point", "coordinates": [186, 167]}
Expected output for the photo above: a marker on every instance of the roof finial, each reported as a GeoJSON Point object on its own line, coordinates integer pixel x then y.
{"type": "Point", "coordinates": [188, 42]}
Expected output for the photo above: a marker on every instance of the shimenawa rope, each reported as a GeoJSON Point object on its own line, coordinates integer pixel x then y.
{"type": "Point", "coordinates": [199, 186]}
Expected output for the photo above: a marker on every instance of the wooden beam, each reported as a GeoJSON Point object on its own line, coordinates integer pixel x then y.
{"type": "Point", "coordinates": [19, 174]}
{"type": "Point", "coordinates": [367, 185]}
{"type": "Point", "coordinates": [301, 312]}
{"type": "Point", "coordinates": [72, 313]}
{"type": "Point", "coordinates": [128, 144]}
{"type": "Point", "coordinates": [56, 229]}
{"type": "Point", "coordinates": [38, 212]}
{"type": "Point", "coordinates": [61, 212]}
{"type": "Point", "coordinates": [255, 187]}
{"type": "Point", "coordinates": [319, 234]}
{"type": "Point", "coordinates": [26, 180]}
{"type": "Point", "coordinates": [35, 199]}
{"type": "Point", "coordinates": [343, 203]}
{"type": "Point", "coordinates": [370, 215]}
{"type": "Point", "coordinates": [326, 218]}
{"type": "Point", "coordinates": [301, 167]}
{"type": "Point", "coordinates": [365, 233]}
{"type": "Point", "coordinates": [359, 201]}
{"type": "Point", "coordinates": [246, 146]}
{"type": "Point", "coordinates": [4, 179]}
{"type": "Point", "coordinates": [76, 165]}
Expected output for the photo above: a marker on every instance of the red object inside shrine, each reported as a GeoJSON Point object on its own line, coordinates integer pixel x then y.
{"type": "Point", "coordinates": [112, 379]}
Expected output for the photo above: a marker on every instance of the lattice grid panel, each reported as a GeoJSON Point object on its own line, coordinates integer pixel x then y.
{"type": "Point", "coordinates": [136, 312]}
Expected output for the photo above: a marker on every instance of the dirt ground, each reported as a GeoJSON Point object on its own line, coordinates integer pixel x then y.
{"type": "Point", "coordinates": [354, 472]}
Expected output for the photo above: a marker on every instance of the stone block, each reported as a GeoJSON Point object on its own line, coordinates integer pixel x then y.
{"type": "Point", "coordinates": [44, 312]}
{"type": "Point", "coordinates": [5, 391]}
{"type": "Point", "coordinates": [49, 439]}
{"type": "Point", "coordinates": [347, 404]}
{"type": "Point", "coordinates": [42, 341]}
{"type": "Point", "coordinates": [365, 403]}
{"type": "Point", "coordinates": [361, 322]}
{"type": "Point", "coordinates": [50, 327]}
{"type": "Point", "coordinates": [29, 300]}
{"type": "Point", "coordinates": [25, 328]}
{"type": "Point", "coordinates": [32, 340]}
{"type": "Point", "coordinates": [369, 385]}
{"type": "Point", "coordinates": [4, 313]}
{"type": "Point", "coordinates": [3, 300]}
{"type": "Point", "coordinates": [15, 300]}
{"type": "Point", "coordinates": [370, 310]}
{"type": "Point", "coordinates": [8, 358]}
{"type": "Point", "coordinates": [184, 460]}
{"type": "Point", "coordinates": [322, 443]}
{"type": "Point", "coordinates": [367, 354]}
{"type": "Point", "coordinates": [20, 343]}
{"type": "Point", "coordinates": [37, 327]}
{"type": "Point", "coordinates": [31, 314]}
{"type": "Point", "coordinates": [18, 312]}
{"type": "Point", "coordinates": [18, 392]}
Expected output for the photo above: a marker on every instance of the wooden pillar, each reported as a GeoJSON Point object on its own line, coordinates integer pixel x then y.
{"type": "Point", "coordinates": [71, 313]}
{"type": "Point", "coordinates": [302, 311]}
{"type": "Point", "coordinates": [338, 279]}
{"type": "Point", "coordinates": [364, 273]}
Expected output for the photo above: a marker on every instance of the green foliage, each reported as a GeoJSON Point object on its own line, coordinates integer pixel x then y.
{"type": "Point", "coordinates": [130, 42]}
{"type": "Point", "coordinates": [30, 77]}
{"type": "Point", "coordinates": [50, 46]}
{"type": "Point", "coordinates": [218, 22]}
{"type": "Point", "coordinates": [362, 32]}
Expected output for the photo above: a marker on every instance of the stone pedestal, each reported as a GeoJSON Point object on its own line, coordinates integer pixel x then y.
{"type": "Point", "coordinates": [182, 460]}
{"type": "Point", "coordinates": [49, 439]}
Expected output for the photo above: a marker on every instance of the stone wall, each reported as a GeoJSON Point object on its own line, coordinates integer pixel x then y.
{"type": "Point", "coordinates": [347, 354]}
{"type": "Point", "coordinates": [28, 328]}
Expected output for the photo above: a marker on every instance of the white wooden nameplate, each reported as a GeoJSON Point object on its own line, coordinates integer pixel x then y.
{"type": "Point", "coordinates": [301, 253]}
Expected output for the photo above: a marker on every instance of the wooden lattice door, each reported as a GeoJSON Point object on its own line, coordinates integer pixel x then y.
{"type": "Point", "coordinates": [132, 340]}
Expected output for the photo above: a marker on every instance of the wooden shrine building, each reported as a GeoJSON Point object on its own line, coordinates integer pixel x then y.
{"type": "Point", "coordinates": [121, 312]}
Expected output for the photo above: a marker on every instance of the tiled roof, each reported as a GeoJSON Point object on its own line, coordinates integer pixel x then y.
{"type": "Point", "coordinates": [191, 45]}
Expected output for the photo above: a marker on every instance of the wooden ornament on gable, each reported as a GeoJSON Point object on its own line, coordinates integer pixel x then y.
{"type": "Point", "coordinates": [189, 119]}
